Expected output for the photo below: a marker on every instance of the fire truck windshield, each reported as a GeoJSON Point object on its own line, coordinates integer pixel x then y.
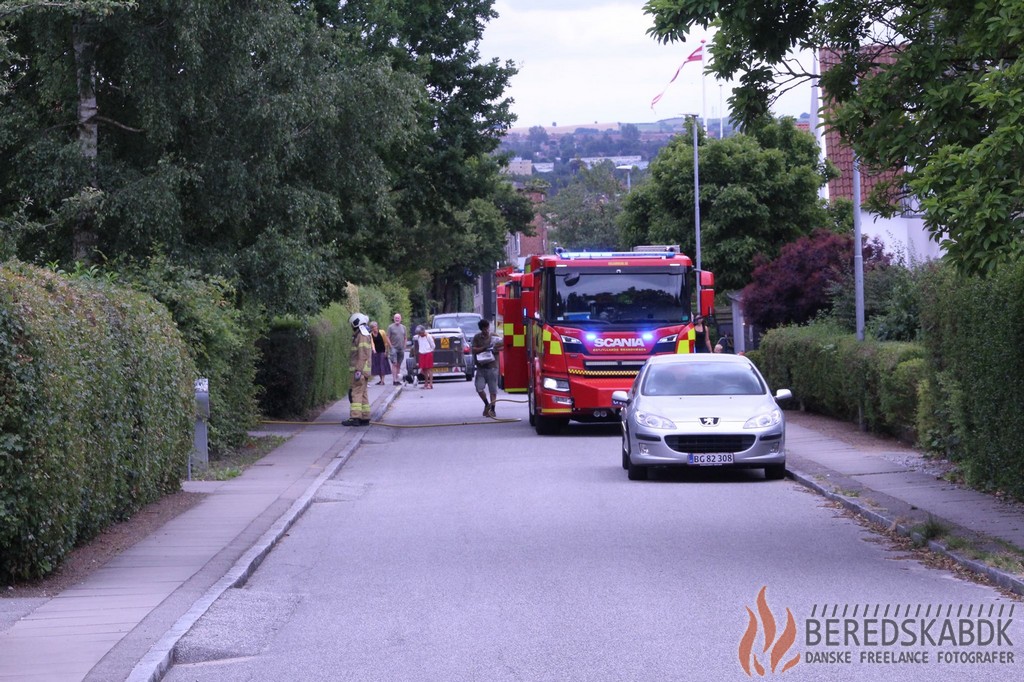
{"type": "Point", "coordinates": [609, 297]}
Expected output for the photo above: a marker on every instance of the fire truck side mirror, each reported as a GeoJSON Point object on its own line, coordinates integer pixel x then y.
{"type": "Point", "coordinates": [707, 293]}
{"type": "Point", "coordinates": [529, 308]}
{"type": "Point", "coordinates": [529, 300]}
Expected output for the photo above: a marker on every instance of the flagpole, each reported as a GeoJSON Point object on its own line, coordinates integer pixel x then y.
{"type": "Point", "coordinates": [721, 114]}
{"type": "Point", "coordinates": [703, 87]}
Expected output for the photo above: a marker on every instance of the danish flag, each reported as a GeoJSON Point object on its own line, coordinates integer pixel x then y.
{"type": "Point", "coordinates": [695, 56]}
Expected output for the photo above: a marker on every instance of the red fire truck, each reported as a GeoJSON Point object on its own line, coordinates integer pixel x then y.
{"type": "Point", "coordinates": [578, 326]}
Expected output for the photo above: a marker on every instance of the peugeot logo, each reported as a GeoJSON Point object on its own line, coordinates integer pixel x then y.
{"type": "Point", "coordinates": [709, 421]}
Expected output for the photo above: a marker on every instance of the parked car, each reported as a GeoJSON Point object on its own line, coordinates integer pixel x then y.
{"type": "Point", "coordinates": [449, 356]}
{"type": "Point", "coordinates": [702, 410]}
{"type": "Point", "coordinates": [469, 323]}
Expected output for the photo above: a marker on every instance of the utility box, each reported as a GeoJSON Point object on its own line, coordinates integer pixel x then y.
{"type": "Point", "coordinates": [200, 449]}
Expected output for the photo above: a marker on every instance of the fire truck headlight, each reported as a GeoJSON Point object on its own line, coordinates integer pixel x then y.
{"type": "Point", "coordinates": [552, 384]}
{"type": "Point", "coordinates": [653, 421]}
{"type": "Point", "coordinates": [570, 343]}
{"type": "Point", "coordinates": [668, 339]}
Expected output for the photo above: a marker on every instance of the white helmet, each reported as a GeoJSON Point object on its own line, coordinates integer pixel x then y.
{"type": "Point", "coordinates": [358, 320]}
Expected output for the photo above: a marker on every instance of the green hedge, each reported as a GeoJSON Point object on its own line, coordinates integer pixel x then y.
{"type": "Point", "coordinates": [973, 330]}
{"type": "Point", "coordinates": [304, 363]}
{"type": "Point", "coordinates": [97, 409]}
{"type": "Point", "coordinates": [871, 382]}
{"type": "Point", "coordinates": [221, 340]}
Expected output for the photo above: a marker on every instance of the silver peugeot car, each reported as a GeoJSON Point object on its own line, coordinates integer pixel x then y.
{"type": "Point", "coordinates": [702, 410]}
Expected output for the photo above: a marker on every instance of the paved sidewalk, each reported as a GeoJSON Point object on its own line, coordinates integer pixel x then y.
{"type": "Point", "coordinates": [129, 609]}
{"type": "Point", "coordinates": [892, 486]}
{"type": "Point", "coordinates": [124, 621]}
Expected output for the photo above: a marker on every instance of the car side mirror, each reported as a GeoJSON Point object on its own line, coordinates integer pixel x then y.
{"type": "Point", "coordinates": [620, 398]}
{"type": "Point", "coordinates": [783, 394]}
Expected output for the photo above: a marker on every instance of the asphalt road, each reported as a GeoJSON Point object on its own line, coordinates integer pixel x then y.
{"type": "Point", "coordinates": [486, 552]}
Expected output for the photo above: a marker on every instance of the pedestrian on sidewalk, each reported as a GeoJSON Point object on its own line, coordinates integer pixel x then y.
{"type": "Point", "coordinates": [702, 342]}
{"type": "Point", "coordinates": [359, 366]}
{"type": "Point", "coordinates": [425, 345]}
{"type": "Point", "coordinates": [380, 366]}
{"type": "Point", "coordinates": [398, 335]}
{"type": "Point", "coordinates": [485, 348]}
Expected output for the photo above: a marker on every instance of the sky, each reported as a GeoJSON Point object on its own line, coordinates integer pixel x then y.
{"type": "Point", "coordinates": [587, 61]}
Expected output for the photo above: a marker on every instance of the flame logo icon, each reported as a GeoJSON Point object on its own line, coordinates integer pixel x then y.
{"type": "Point", "coordinates": [778, 647]}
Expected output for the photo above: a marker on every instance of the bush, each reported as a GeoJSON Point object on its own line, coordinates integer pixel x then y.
{"type": "Point", "coordinates": [220, 337]}
{"type": "Point", "coordinates": [97, 408]}
{"type": "Point", "coordinates": [832, 373]}
{"type": "Point", "coordinates": [304, 363]}
{"type": "Point", "coordinates": [375, 305]}
{"type": "Point", "coordinates": [972, 329]}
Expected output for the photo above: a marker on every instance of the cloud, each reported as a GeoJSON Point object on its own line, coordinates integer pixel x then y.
{"type": "Point", "coordinates": [581, 62]}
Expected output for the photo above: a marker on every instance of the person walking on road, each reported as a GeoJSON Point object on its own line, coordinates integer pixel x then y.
{"type": "Point", "coordinates": [359, 365]}
{"type": "Point", "coordinates": [485, 348]}
{"type": "Point", "coordinates": [425, 355]}
{"type": "Point", "coordinates": [397, 337]}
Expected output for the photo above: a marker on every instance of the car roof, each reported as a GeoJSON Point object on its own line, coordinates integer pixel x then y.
{"type": "Point", "coordinates": [468, 316]}
{"type": "Point", "coordinates": [687, 358]}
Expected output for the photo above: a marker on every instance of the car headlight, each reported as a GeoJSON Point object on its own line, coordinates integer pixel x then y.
{"type": "Point", "coordinates": [653, 421]}
{"type": "Point", "coordinates": [765, 420]}
{"type": "Point", "coordinates": [552, 384]}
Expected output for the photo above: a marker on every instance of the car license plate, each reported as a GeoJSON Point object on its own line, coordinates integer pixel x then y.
{"type": "Point", "coordinates": [710, 459]}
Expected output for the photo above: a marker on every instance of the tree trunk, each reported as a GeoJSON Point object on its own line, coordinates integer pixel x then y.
{"type": "Point", "coordinates": [83, 234]}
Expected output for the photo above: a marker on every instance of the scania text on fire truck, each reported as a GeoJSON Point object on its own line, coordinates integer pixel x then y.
{"type": "Point", "coordinates": [578, 326]}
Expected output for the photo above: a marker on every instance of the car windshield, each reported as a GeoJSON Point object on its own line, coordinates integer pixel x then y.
{"type": "Point", "coordinates": [468, 325]}
{"type": "Point", "coordinates": [640, 295]}
{"type": "Point", "coordinates": [702, 378]}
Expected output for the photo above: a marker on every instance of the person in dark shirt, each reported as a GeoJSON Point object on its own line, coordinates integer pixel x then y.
{"type": "Point", "coordinates": [485, 348]}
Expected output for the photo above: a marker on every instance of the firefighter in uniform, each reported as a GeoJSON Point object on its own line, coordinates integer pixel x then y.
{"type": "Point", "coordinates": [359, 365]}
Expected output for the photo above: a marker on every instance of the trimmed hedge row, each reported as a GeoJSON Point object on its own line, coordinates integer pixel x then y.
{"type": "Point", "coordinates": [96, 408]}
{"type": "Point", "coordinates": [304, 363]}
{"type": "Point", "coordinates": [973, 330]}
{"type": "Point", "coordinates": [871, 382]}
{"type": "Point", "coordinates": [221, 340]}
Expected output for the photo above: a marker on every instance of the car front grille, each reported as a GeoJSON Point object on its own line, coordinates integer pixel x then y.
{"type": "Point", "coordinates": [710, 443]}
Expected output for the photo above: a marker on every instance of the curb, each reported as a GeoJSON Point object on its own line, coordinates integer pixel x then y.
{"type": "Point", "coordinates": [160, 657]}
{"type": "Point", "coordinates": [1007, 581]}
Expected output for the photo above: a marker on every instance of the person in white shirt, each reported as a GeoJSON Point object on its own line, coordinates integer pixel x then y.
{"type": "Point", "coordinates": [425, 345]}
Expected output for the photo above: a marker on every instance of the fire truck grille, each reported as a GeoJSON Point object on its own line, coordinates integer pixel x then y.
{"type": "Point", "coordinates": [708, 443]}
{"type": "Point", "coordinates": [609, 368]}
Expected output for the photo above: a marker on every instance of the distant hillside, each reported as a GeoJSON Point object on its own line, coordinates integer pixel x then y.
{"type": "Point", "coordinates": [670, 123]}
{"type": "Point", "coordinates": [564, 130]}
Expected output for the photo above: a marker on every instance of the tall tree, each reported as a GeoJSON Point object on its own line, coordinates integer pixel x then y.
{"type": "Point", "coordinates": [932, 88]}
{"type": "Point", "coordinates": [461, 116]}
{"type": "Point", "coordinates": [584, 214]}
{"type": "Point", "coordinates": [799, 283]}
{"type": "Point", "coordinates": [240, 136]}
{"type": "Point", "coordinates": [758, 191]}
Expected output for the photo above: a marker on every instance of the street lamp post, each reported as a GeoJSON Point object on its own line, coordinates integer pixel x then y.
{"type": "Point", "coordinates": [858, 250]}
{"type": "Point", "coordinates": [629, 170]}
{"type": "Point", "coordinates": [696, 197]}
